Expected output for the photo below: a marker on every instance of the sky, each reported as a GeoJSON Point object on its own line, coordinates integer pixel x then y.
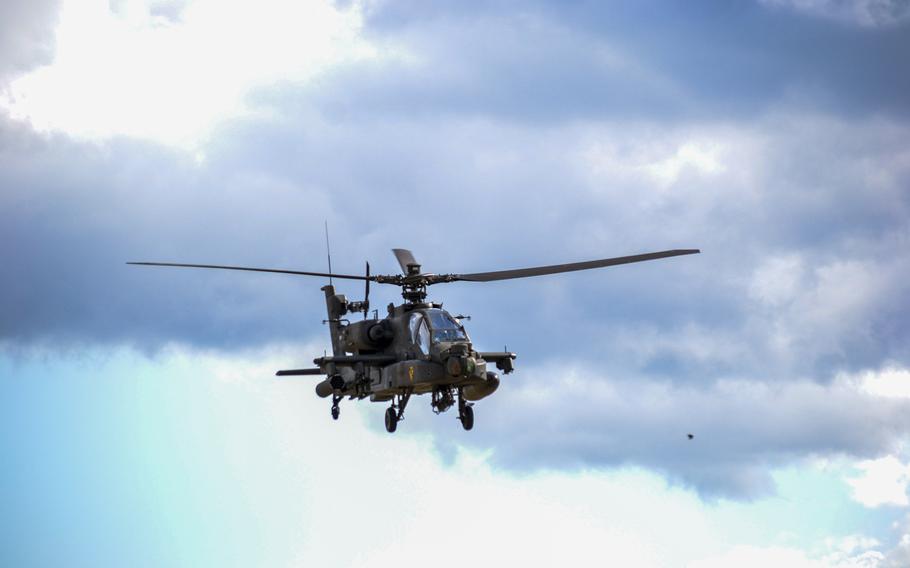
{"type": "Point", "coordinates": [140, 418]}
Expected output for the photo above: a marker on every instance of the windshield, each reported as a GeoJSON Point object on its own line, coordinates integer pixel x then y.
{"type": "Point", "coordinates": [420, 334]}
{"type": "Point", "coordinates": [444, 326]}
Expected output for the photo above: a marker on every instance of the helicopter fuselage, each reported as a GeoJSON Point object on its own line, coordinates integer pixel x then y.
{"type": "Point", "coordinates": [418, 348]}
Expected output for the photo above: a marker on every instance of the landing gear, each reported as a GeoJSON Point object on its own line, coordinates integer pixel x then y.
{"type": "Point", "coordinates": [391, 419]}
{"type": "Point", "coordinates": [465, 412]}
{"type": "Point", "coordinates": [393, 415]}
{"type": "Point", "coordinates": [467, 418]}
{"type": "Point", "coordinates": [336, 398]}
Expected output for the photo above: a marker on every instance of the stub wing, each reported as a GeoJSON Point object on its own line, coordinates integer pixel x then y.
{"type": "Point", "coordinates": [502, 359]}
{"type": "Point", "coordinates": [298, 372]}
{"type": "Point", "coordinates": [339, 361]}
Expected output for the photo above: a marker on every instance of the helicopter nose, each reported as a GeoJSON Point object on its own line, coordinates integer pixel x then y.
{"type": "Point", "coordinates": [460, 365]}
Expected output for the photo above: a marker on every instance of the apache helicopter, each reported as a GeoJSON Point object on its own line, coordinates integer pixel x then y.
{"type": "Point", "coordinates": [418, 347]}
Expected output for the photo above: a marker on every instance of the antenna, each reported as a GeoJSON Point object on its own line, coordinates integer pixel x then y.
{"type": "Point", "coordinates": [328, 251]}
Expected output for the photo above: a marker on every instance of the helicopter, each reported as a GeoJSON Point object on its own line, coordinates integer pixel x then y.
{"type": "Point", "coordinates": [418, 347]}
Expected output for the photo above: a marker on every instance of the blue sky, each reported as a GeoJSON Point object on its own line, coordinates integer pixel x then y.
{"type": "Point", "coordinates": [141, 420]}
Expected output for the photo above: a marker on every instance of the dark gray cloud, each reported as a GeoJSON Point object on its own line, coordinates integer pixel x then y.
{"type": "Point", "coordinates": [823, 195]}
{"type": "Point", "coordinates": [803, 266]}
{"type": "Point", "coordinates": [73, 214]}
{"type": "Point", "coordinates": [557, 61]}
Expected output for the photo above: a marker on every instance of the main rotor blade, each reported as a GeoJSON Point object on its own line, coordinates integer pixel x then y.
{"type": "Point", "coordinates": [405, 257]}
{"type": "Point", "coordinates": [557, 268]}
{"type": "Point", "coordinates": [279, 271]}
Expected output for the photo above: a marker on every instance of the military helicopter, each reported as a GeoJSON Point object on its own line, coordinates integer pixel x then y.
{"type": "Point", "coordinates": [418, 347]}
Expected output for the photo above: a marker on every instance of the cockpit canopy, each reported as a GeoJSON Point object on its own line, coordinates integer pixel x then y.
{"type": "Point", "coordinates": [434, 325]}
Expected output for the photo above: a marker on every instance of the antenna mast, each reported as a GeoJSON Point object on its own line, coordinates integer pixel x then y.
{"type": "Point", "coordinates": [328, 251]}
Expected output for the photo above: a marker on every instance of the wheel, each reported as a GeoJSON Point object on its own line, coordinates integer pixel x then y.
{"type": "Point", "coordinates": [391, 419]}
{"type": "Point", "coordinates": [467, 417]}
{"type": "Point", "coordinates": [335, 412]}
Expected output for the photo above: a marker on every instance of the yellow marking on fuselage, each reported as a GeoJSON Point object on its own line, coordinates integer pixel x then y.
{"type": "Point", "coordinates": [411, 373]}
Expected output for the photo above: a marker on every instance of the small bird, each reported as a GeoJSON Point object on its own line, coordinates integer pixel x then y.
{"type": "Point", "coordinates": [690, 436]}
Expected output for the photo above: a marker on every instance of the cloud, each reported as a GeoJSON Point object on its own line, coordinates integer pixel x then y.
{"type": "Point", "coordinates": [169, 72]}
{"type": "Point", "coordinates": [899, 555]}
{"type": "Point", "coordinates": [81, 210]}
{"type": "Point", "coordinates": [26, 36]}
{"type": "Point", "coordinates": [882, 482]}
{"type": "Point", "coordinates": [841, 307]}
{"type": "Point", "coordinates": [502, 140]}
{"type": "Point", "coordinates": [866, 13]}
{"type": "Point", "coordinates": [758, 557]}
{"type": "Point", "coordinates": [552, 61]}
{"type": "Point", "coordinates": [165, 461]}
{"type": "Point", "coordinates": [560, 417]}
{"type": "Point", "coordinates": [891, 382]}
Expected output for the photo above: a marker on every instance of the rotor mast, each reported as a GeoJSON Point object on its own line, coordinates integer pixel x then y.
{"type": "Point", "coordinates": [413, 283]}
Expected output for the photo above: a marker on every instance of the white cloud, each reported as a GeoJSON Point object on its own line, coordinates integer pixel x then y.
{"type": "Point", "coordinates": [133, 72]}
{"type": "Point", "coordinates": [700, 157]}
{"type": "Point", "coordinates": [660, 159]}
{"type": "Point", "coordinates": [756, 557]}
{"type": "Point", "coordinates": [764, 557]}
{"type": "Point", "coordinates": [853, 543]}
{"type": "Point", "coordinates": [854, 551]}
{"type": "Point", "coordinates": [892, 382]}
{"type": "Point", "coordinates": [883, 482]}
